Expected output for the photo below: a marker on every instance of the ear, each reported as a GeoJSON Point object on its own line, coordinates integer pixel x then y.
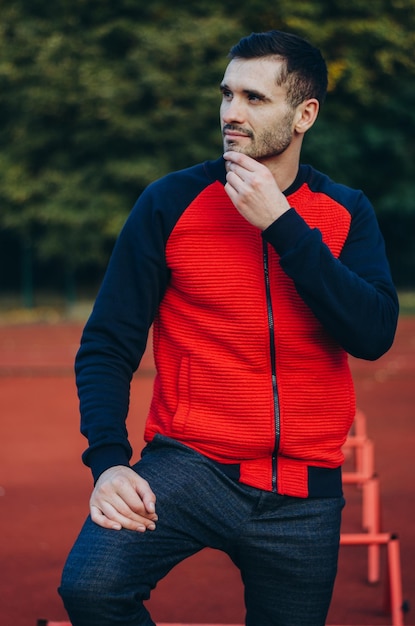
{"type": "Point", "coordinates": [305, 115]}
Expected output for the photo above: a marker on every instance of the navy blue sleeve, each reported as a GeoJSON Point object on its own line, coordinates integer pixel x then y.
{"type": "Point", "coordinates": [353, 296]}
{"type": "Point", "coordinates": [115, 336]}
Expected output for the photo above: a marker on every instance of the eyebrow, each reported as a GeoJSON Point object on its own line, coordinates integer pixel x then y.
{"type": "Point", "coordinates": [249, 92]}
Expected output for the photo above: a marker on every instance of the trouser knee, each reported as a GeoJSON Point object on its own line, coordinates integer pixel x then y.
{"type": "Point", "coordinates": [98, 604]}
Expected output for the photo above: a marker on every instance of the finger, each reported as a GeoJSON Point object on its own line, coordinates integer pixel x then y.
{"type": "Point", "coordinates": [147, 496]}
{"type": "Point", "coordinates": [115, 507]}
{"type": "Point", "coordinates": [128, 500]}
{"type": "Point", "coordinates": [126, 495]}
{"type": "Point", "coordinates": [99, 518]}
{"type": "Point", "coordinates": [232, 193]}
{"type": "Point", "coordinates": [107, 516]}
{"type": "Point", "coordinates": [131, 502]}
{"type": "Point", "coordinates": [120, 506]}
{"type": "Point", "coordinates": [237, 170]}
{"type": "Point", "coordinates": [129, 520]}
{"type": "Point", "coordinates": [241, 159]}
{"type": "Point", "coordinates": [233, 180]}
{"type": "Point", "coordinates": [123, 497]}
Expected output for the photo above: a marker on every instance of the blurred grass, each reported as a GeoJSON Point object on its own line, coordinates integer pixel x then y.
{"type": "Point", "coordinates": [407, 302]}
{"type": "Point", "coordinates": [49, 308]}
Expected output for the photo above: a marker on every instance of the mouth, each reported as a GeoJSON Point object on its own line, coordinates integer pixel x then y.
{"type": "Point", "coordinates": [232, 133]}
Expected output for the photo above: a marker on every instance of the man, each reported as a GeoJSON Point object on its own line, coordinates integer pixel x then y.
{"type": "Point", "coordinates": [259, 275]}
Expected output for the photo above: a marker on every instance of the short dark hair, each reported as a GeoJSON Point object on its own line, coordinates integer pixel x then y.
{"type": "Point", "coordinates": [304, 70]}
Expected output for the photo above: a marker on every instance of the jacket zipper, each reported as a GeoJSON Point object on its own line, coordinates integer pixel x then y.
{"type": "Point", "coordinates": [271, 328]}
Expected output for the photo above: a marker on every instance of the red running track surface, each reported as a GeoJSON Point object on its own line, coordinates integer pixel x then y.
{"type": "Point", "coordinates": [44, 488]}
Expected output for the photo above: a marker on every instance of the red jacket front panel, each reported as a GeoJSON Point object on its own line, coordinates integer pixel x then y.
{"type": "Point", "coordinates": [219, 338]}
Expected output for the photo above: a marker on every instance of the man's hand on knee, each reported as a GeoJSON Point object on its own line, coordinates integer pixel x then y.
{"type": "Point", "coordinates": [122, 499]}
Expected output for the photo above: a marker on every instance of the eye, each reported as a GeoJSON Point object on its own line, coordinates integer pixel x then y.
{"type": "Point", "coordinates": [226, 94]}
{"type": "Point", "coordinates": [255, 97]}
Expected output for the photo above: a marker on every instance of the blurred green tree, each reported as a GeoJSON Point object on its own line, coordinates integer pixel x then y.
{"type": "Point", "coordinates": [97, 99]}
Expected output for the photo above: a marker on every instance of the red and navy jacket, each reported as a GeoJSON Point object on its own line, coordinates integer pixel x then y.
{"type": "Point", "coordinates": [251, 329]}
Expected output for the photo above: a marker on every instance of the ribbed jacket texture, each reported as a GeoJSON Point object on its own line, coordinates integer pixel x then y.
{"type": "Point", "coordinates": [251, 330]}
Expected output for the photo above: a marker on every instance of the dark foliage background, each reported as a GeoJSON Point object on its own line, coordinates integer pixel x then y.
{"type": "Point", "coordinates": [99, 98]}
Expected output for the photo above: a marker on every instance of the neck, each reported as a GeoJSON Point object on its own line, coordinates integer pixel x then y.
{"type": "Point", "coordinates": [284, 166]}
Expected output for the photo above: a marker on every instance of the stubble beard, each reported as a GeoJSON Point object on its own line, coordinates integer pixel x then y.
{"type": "Point", "coordinates": [271, 143]}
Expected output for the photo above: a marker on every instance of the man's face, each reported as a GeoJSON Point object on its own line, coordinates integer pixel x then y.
{"type": "Point", "coordinates": [255, 116]}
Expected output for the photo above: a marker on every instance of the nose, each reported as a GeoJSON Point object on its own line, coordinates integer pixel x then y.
{"type": "Point", "coordinates": [232, 111]}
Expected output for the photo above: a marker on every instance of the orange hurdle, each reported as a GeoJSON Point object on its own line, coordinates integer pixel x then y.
{"type": "Point", "coordinates": [363, 475]}
{"type": "Point", "coordinates": [395, 604]}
